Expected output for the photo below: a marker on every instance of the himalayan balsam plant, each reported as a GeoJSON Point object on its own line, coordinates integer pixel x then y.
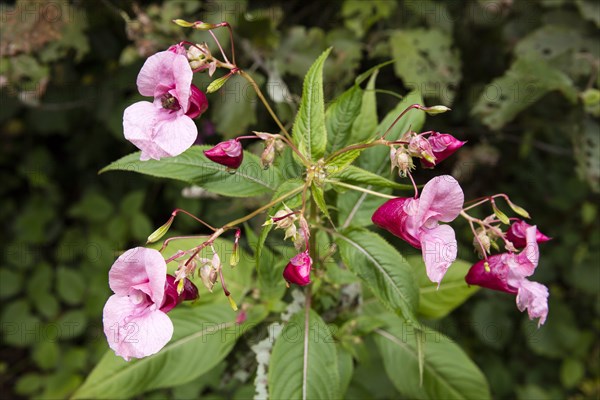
{"type": "Point", "coordinates": [304, 303]}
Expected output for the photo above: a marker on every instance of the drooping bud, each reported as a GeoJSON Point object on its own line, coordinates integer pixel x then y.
{"type": "Point", "coordinates": [217, 83]}
{"type": "Point", "coordinates": [499, 214]}
{"type": "Point", "coordinates": [228, 153]}
{"type": "Point", "coordinates": [443, 146]}
{"type": "Point", "coordinates": [268, 155]}
{"type": "Point", "coordinates": [482, 240]}
{"type": "Point", "coordinates": [298, 269]}
{"type": "Point", "coordinates": [208, 275]}
{"type": "Point", "coordinates": [434, 110]}
{"type": "Point", "coordinates": [420, 147]}
{"type": "Point", "coordinates": [198, 103]}
{"type": "Point", "coordinates": [404, 162]}
{"type": "Point", "coordinates": [172, 296]}
{"type": "Point", "coordinates": [517, 234]}
{"type": "Point", "coordinates": [160, 232]}
{"type": "Point", "coordinates": [235, 254]}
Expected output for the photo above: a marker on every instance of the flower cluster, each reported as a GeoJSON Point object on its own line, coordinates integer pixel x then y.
{"type": "Point", "coordinates": [416, 220]}
{"type": "Point", "coordinates": [507, 272]}
{"type": "Point", "coordinates": [134, 317]}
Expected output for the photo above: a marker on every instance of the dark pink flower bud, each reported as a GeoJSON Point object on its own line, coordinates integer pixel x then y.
{"type": "Point", "coordinates": [517, 232]}
{"type": "Point", "coordinates": [443, 146]}
{"type": "Point", "coordinates": [198, 102]}
{"type": "Point", "coordinates": [493, 276]}
{"type": "Point", "coordinates": [228, 153]}
{"type": "Point", "coordinates": [172, 299]}
{"type": "Point", "coordinates": [298, 269]}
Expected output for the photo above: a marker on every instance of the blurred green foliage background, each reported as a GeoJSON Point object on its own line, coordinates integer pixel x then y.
{"type": "Point", "coordinates": [521, 76]}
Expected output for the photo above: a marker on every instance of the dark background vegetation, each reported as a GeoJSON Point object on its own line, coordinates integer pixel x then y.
{"type": "Point", "coordinates": [520, 75]}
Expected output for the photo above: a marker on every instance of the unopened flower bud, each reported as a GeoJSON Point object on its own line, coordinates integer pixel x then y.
{"type": "Point", "coordinates": [404, 162]}
{"type": "Point", "coordinates": [235, 254]}
{"type": "Point", "coordinates": [217, 83]}
{"type": "Point", "coordinates": [268, 155]}
{"type": "Point", "coordinates": [434, 110]}
{"type": "Point", "coordinates": [443, 146]}
{"type": "Point", "coordinates": [290, 232]}
{"type": "Point", "coordinates": [198, 103]}
{"type": "Point", "coordinates": [482, 239]}
{"type": "Point", "coordinates": [228, 153]}
{"type": "Point", "coordinates": [298, 269]}
{"type": "Point", "coordinates": [284, 218]}
{"type": "Point", "coordinates": [160, 232]}
{"type": "Point", "coordinates": [208, 275]}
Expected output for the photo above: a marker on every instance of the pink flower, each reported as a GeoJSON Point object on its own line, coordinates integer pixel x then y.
{"type": "Point", "coordinates": [420, 147]}
{"type": "Point", "coordinates": [443, 146]}
{"type": "Point", "coordinates": [516, 234]}
{"type": "Point", "coordinates": [134, 323]}
{"type": "Point", "coordinates": [164, 128]}
{"type": "Point", "coordinates": [507, 272]}
{"type": "Point", "coordinates": [228, 153]}
{"type": "Point", "coordinates": [417, 222]}
{"type": "Point", "coordinates": [298, 269]}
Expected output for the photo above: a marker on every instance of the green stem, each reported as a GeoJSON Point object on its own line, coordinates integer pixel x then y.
{"type": "Point", "coordinates": [273, 115]}
{"type": "Point", "coordinates": [354, 147]}
{"type": "Point", "coordinates": [359, 189]}
{"type": "Point", "coordinates": [261, 209]}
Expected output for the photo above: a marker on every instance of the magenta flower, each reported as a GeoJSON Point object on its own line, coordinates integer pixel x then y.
{"type": "Point", "coordinates": [417, 222]}
{"type": "Point", "coordinates": [443, 146]}
{"type": "Point", "coordinates": [517, 232]}
{"type": "Point", "coordinates": [507, 272]}
{"type": "Point", "coordinates": [228, 153]}
{"type": "Point", "coordinates": [172, 298]}
{"type": "Point", "coordinates": [298, 269]}
{"type": "Point", "coordinates": [164, 128]}
{"type": "Point", "coordinates": [134, 323]}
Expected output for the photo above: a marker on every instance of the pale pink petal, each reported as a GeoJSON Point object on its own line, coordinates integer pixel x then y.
{"type": "Point", "coordinates": [533, 296]}
{"type": "Point", "coordinates": [157, 74]}
{"type": "Point", "coordinates": [132, 334]}
{"type": "Point", "coordinates": [182, 74]}
{"type": "Point", "coordinates": [439, 249]}
{"type": "Point", "coordinates": [442, 199]}
{"type": "Point", "coordinates": [139, 120]}
{"type": "Point", "coordinates": [139, 266]}
{"type": "Point", "coordinates": [175, 135]}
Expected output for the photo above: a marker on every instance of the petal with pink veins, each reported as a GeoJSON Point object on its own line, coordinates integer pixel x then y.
{"type": "Point", "coordinates": [139, 121]}
{"type": "Point", "coordinates": [157, 74]}
{"type": "Point", "coordinates": [533, 296]}
{"type": "Point", "coordinates": [139, 266]}
{"type": "Point", "coordinates": [439, 249]}
{"type": "Point", "coordinates": [175, 135]}
{"type": "Point", "coordinates": [442, 199]}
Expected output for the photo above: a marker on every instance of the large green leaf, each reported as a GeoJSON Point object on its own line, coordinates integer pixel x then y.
{"type": "Point", "coordinates": [309, 132]}
{"type": "Point", "coordinates": [389, 276]}
{"type": "Point", "coordinates": [366, 123]}
{"type": "Point", "coordinates": [425, 61]}
{"type": "Point", "coordinates": [250, 179]}
{"type": "Point", "coordinates": [304, 362]}
{"type": "Point", "coordinates": [527, 80]}
{"type": "Point", "coordinates": [453, 291]}
{"type": "Point", "coordinates": [203, 336]}
{"type": "Point", "coordinates": [340, 117]}
{"type": "Point", "coordinates": [358, 175]}
{"type": "Point", "coordinates": [448, 373]}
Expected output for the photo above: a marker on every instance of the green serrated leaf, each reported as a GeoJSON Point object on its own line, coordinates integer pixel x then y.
{"type": "Point", "coordinates": [304, 363]}
{"type": "Point", "coordinates": [319, 198]}
{"type": "Point", "coordinates": [358, 175]}
{"type": "Point", "coordinates": [203, 336]}
{"type": "Point", "coordinates": [382, 268]}
{"type": "Point", "coordinates": [522, 85]}
{"type": "Point", "coordinates": [366, 123]}
{"type": "Point", "coordinates": [448, 373]}
{"type": "Point", "coordinates": [340, 117]}
{"type": "Point", "coordinates": [250, 179]}
{"type": "Point", "coordinates": [309, 132]}
{"type": "Point", "coordinates": [453, 291]}
{"type": "Point", "coordinates": [424, 59]}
